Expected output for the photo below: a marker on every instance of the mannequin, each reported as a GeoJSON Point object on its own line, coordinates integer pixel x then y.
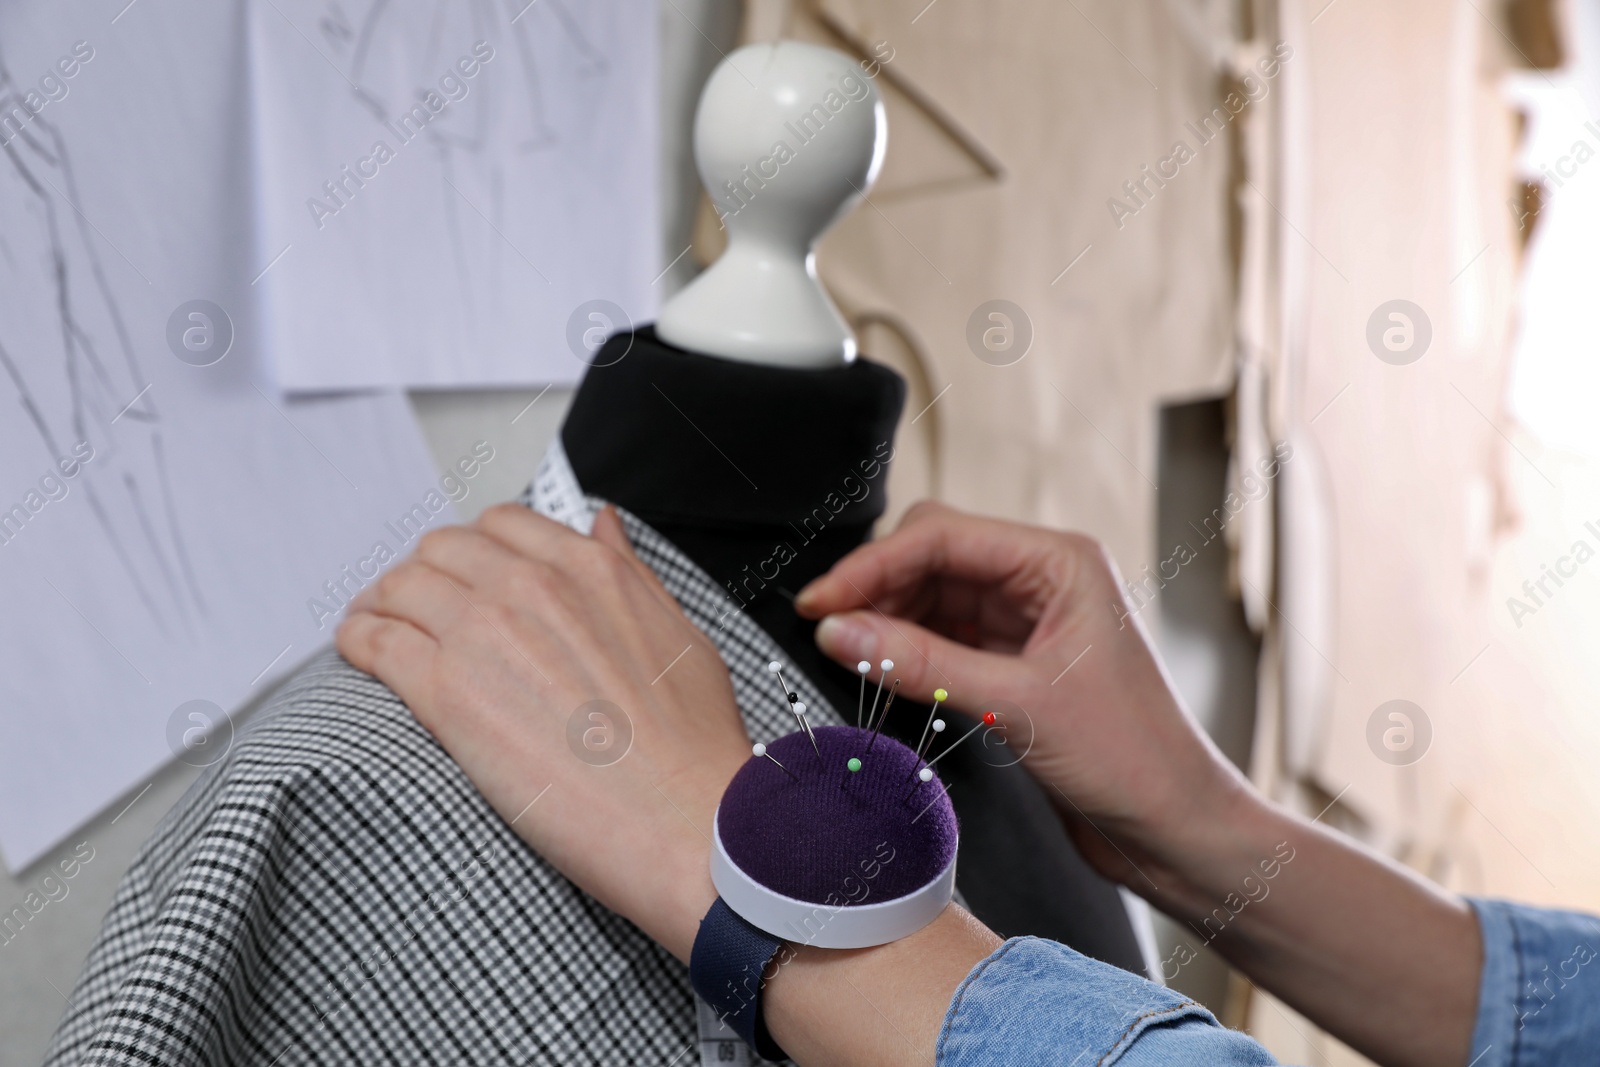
{"type": "Point", "coordinates": [758, 443]}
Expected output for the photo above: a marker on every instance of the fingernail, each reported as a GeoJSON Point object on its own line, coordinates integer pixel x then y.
{"type": "Point", "coordinates": [845, 637]}
{"type": "Point", "coordinates": [804, 597]}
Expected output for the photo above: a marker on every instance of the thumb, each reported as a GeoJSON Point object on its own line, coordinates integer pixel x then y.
{"type": "Point", "coordinates": [923, 660]}
{"type": "Point", "coordinates": [609, 531]}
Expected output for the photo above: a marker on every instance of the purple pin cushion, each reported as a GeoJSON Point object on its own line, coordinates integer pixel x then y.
{"type": "Point", "coordinates": [812, 851]}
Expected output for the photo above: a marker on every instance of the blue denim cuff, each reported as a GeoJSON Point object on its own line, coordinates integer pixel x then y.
{"type": "Point", "coordinates": [1036, 1001]}
{"type": "Point", "coordinates": [1539, 993]}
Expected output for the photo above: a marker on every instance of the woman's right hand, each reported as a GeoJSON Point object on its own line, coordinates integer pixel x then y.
{"type": "Point", "coordinates": [992, 610]}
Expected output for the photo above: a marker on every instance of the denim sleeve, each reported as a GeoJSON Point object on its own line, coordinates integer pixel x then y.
{"type": "Point", "coordinates": [1538, 998]}
{"type": "Point", "coordinates": [1038, 1002]}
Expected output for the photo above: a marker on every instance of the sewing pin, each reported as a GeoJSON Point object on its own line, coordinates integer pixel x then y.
{"type": "Point", "coordinates": [758, 750]}
{"type": "Point", "coordinates": [922, 752]}
{"type": "Point", "coordinates": [861, 701]}
{"type": "Point", "coordinates": [789, 695]}
{"type": "Point", "coordinates": [882, 718]}
{"type": "Point", "coordinates": [924, 775]}
{"type": "Point", "coordinates": [805, 724]}
{"type": "Point", "coordinates": [987, 720]}
{"type": "Point", "coordinates": [885, 667]}
{"type": "Point", "coordinates": [939, 697]}
{"type": "Point", "coordinates": [852, 765]}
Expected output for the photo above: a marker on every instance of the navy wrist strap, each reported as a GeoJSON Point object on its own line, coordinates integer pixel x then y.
{"type": "Point", "coordinates": [725, 968]}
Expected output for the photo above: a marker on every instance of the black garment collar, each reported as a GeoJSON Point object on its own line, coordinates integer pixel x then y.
{"type": "Point", "coordinates": [764, 476]}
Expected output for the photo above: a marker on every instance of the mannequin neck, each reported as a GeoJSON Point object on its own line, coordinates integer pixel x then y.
{"type": "Point", "coordinates": [761, 303]}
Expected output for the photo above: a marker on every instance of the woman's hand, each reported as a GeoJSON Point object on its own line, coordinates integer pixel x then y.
{"type": "Point", "coordinates": [499, 635]}
{"type": "Point", "coordinates": [992, 610]}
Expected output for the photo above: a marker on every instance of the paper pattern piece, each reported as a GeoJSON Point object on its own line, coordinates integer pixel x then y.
{"type": "Point", "coordinates": [166, 517]}
{"type": "Point", "coordinates": [485, 170]}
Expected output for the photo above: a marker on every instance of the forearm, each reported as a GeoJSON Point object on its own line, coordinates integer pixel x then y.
{"type": "Point", "coordinates": [877, 1006]}
{"type": "Point", "coordinates": [1372, 953]}
{"type": "Point", "coordinates": [881, 1005]}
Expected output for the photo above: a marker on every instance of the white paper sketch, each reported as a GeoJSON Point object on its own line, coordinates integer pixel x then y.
{"type": "Point", "coordinates": [165, 515]}
{"type": "Point", "coordinates": [80, 374]}
{"type": "Point", "coordinates": [489, 164]}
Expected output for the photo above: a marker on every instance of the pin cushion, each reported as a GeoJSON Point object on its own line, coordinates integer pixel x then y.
{"type": "Point", "coordinates": [840, 843]}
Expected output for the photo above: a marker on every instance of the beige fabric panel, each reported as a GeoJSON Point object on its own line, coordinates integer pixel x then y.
{"type": "Point", "coordinates": [1011, 126]}
{"type": "Point", "coordinates": [1396, 171]}
{"type": "Point", "coordinates": [1410, 170]}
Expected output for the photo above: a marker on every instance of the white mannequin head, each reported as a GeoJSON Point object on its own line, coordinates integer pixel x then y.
{"type": "Point", "coordinates": [788, 136]}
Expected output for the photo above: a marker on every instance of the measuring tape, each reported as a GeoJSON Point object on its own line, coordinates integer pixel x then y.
{"type": "Point", "coordinates": [556, 492]}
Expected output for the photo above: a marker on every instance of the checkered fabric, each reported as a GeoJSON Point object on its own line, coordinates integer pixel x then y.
{"type": "Point", "coordinates": [335, 891]}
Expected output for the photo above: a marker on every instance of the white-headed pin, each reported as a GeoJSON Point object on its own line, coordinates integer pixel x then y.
{"type": "Point", "coordinates": [862, 669]}
{"type": "Point", "coordinates": [926, 774]}
{"type": "Point", "coordinates": [884, 667]}
{"type": "Point", "coordinates": [887, 704]}
{"type": "Point", "coordinates": [796, 708]}
{"type": "Point", "coordinates": [758, 750]}
{"type": "Point", "coordinates": [987, 720]}
{"type": "Point", "coordinates": [935, 725]}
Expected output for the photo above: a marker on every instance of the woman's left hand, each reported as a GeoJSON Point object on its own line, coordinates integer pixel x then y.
{"type": "Point", "coordinates": [500, 636]}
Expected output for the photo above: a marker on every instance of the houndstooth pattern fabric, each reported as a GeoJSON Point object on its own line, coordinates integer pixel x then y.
{"type": "Point", "coordinates": [335, 891]}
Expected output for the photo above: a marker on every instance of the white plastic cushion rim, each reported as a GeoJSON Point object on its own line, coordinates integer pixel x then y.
{"type": "Point", "coordinates": [851, 926]}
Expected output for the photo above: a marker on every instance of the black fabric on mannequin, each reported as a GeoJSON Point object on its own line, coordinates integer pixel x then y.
{"type": "Point", "coordinates": [765, 477]}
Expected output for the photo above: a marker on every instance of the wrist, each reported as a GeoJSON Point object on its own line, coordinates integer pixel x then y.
{"type": "Point", "coordinates": [883, 1005]}
{"type": "Point", "coordinates": [684, 888]}
{"type": "Point", "coordinates": [1192, 814]}
{"type": "Point", "coordinates": [1235, 836]}
{"type": "Point", "coordinates": [688, 895]}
